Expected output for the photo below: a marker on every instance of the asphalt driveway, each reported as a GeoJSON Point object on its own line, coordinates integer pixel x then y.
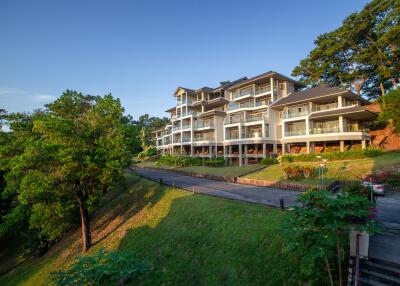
{"type": "Point", "coordinates": [260, 195]}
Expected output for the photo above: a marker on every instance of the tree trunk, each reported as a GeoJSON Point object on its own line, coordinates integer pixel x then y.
{"type": "Point", "coordinates": [328, 267]}
{"type": "Point", "coordinates": [86, 236]}
{"type": "Point", "coordinates": [382, 89]}
{"type": "Point", "coordinates": [339, 258]}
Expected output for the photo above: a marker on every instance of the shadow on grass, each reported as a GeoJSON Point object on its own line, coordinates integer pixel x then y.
{"type": "Point", "coordinates": [212, 241]}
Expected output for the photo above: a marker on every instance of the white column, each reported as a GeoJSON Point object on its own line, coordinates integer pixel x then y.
{"type": "Point", "coordinates": [340, 102]}
{"type": "Point", "coordinates": [308, 147]}
{"type": "Point", "coordinates": [341, 127]}
{"type": "Point", "coordinates": [341, 145]}
{"type": "Point", "coordinates": [363, 144]}
{"type": "Point", "coordinates": [307, 127]}
{"type": "Point", "coordinates": [264, 150]}
{"type": "Point", "coordinates": [191, 150]}
{"type": "Point", "coordinates": [240, 154]}
{"type": "Point", "coordinates": [275, 148]}
{"type": "Point", "coordinates": [272, 89]}
{"type": "Point", "coordinates": [283, 148]}
{"type": "Point", "coordinates": [210, 151]}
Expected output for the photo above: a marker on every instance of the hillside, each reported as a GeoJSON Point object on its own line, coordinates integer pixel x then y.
{"type": "Point", "coordinates": [187, 239]}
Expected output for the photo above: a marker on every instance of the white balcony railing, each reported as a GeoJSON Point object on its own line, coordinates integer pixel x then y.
{"type": "Point", "coordinates": [287, 115]}
{"type": "Point", "coordinates": [204, 138]}
{"type": "Point", "coordinates": [252, 134]}
{"type": "Point", "coordinates": [203, 124]}
{"type": "Point", "coordinates": [231, 135]}
{"type": "Point", "coordinates": [233, 119]}
{"type": "Point", "coordinates": [324, 130]}
{"type": "Point", "coordinates": [186, 126]}
{"type": "Point", "coordinates": [295, 132]}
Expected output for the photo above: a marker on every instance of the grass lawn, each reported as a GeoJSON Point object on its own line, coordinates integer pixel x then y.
{"type": "Point", "coordinates": [230, 171]}
{"type": "Point", "coordinates": [187, 239]}
{"type": "Point", "coordinates": [346, 170]}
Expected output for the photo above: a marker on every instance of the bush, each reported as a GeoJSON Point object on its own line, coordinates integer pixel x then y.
{"type": "Point", "coordinates": [149, 152]}
{"type": "Point", "coordinates": [179, 161]}
{"type": "Point", "coordinates": [216, 162]}
{"type": "Point", "coordinates": [102, 268]}
{"type": "Point", "coordinates": [269, 161]}
{"type": "Point", "coordinates": [299, 172]}
{"type": "Point", "coordinates": [337, 155]}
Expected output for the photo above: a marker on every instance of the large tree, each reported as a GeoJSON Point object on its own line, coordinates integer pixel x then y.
{"type": "Point", "coordinates": [77, 147]}
{"type": "Point", "coordinates": [363, 53]}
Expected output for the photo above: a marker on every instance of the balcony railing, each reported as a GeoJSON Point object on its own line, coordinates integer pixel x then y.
{"type": "Point", "coordinates": [186, 139]}
{"type": "Point", "coordinates": [204, 138]}
{"type": "Point", "coordinates": [324, 130]}
{"type": "Point", "coordinates": [352, 128]}
{"type": "Point", "coordinates": [232, 136]}
{"type": "Point", "coordinates": [263, 89]}
{"type": "Point", "coordinates": [204, 124]}
{"type": "Point", "coordinates": [233, 119]}
{"type": "Point", "coordinates": [243, 92]}
{"type": "Point", "coordinates": [328, 106]}
{"type": "Point", "coordinates": [256, 117]}
{"type": "Point", "coordinates": [176, 128]}
{"type": "Point", "coordinates": [287, 115]}
{"type": "Point", "coordinates": [252, 134]}
{"type": "Point", "coordinates": [295, 132]}
{"type": "Point", "coordinates": [185, 126]}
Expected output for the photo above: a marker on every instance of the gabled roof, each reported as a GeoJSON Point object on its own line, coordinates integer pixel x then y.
{"type": "Point", "coordinates": [267, 74]}
{"type": "Point", "coordinates": [204, 89]}
{"type": "Point", "coordinates": [314, 94]}
{"type": "Point", "coordinates": [230, 83]}
{"type": "Point", "coordinates": [348, 110]}
{"type": "Point", "coordinates": [188, 90]}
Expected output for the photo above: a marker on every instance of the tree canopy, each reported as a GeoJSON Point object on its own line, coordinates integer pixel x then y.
{"type": "Point", "coordinates": [362, 54]}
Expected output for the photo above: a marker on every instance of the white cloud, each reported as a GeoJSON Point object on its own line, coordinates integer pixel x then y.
{"type": "Point", "coordinates": [44, 97]}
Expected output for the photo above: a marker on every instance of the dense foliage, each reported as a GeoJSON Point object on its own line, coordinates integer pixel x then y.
{"type": "Point", "coordinates": [319, 231]}
{"type": "Point", "coordinates": [149, 152]}
{"type": "Point", "coordinates": [346, 155]}
{"type": "Point", "coordinates": [269, 161]}
{"type": "Point", "coordinates": [299, 172]}
{"type": "Point", "coordinates": [58, 162]}
{"type": "Point", "coordinates": [185, 161]}
{"type": "Point", "coordinates": [147, 125]}
{"type": "Point", "coordinates": [362, 53]}
{"type": "Point", "coordinates": [102, 268]}
{"type": "Point", "coordinates": [390, 107]}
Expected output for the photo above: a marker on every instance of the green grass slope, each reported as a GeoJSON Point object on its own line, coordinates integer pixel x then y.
{"type": "Point", "coordinates": [187, 239]}
{"type": "Point", "coordinates": [346, 170]}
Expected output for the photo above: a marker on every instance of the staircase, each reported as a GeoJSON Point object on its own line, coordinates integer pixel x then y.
{"type": "Point", "coordinates": [376, 272]}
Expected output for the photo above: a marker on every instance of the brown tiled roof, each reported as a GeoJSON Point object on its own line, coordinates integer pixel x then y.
{"type": "Point", "coordinates": [314, 93]}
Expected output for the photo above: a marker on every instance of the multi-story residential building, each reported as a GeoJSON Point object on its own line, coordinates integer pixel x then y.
{"type": "Point", "coordinates": [250, 118]}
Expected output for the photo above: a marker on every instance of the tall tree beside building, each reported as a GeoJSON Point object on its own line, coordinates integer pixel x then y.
{"type": "Point", "coordinates": [71, 153]}
{"type": "Point", "coordinates": [363, 53]}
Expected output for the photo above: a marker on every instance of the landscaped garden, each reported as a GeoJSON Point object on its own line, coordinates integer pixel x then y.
{"type": "Point", "coordinates": [344, 170]}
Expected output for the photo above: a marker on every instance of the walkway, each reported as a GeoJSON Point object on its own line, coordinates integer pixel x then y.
{"type": "Point", "coordinates": [253, 194]}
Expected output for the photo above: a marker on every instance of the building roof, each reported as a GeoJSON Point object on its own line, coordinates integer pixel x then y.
{"type": "Point", "coordinates": [228, 83]}
{"type": "Point", "coordinates": [188, 90]}
{"type": "Point", "coordinates": [266, 74]}
{"type": "Point", "coordinates": [171, 109]}
{"type": "Point", "coordinates": [361, 112]}
{"type": "Point", "coordinates": [314, 94]}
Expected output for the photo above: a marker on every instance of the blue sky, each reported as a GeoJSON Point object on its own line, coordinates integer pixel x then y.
{"type": "Point", "coordinates": [140, 51]}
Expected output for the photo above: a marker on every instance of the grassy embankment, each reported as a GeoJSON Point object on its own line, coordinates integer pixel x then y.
{"type": "Point", "coordinates": [346, 170]}
{"type": "Point", "coordinates": [230, 171]}
{"type": "Point", "coordinates": [187, 239]}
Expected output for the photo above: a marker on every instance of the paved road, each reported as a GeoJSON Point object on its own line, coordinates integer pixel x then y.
{"type": "Point", "coordinates": [386, 245]}
{"type": "Point", "coordinates": [261, 195]}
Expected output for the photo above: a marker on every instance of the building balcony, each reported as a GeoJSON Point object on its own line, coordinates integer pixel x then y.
{"type": "Point", "coordinates": [232, 136]}
{"type": "Point", "coordinates": [186, 139]}
{"type": "Point", "coordinates": [186, 126]}
{"type": "Point", "coordinates": [176, 128]}
{"type": "Point", "coordinates": [324, 130]}
{"type": "Point", "coordinates": [295, 133]}
{"type": "Point", "coordinates": [256, 117]}
{"type": "Point", "coordinates": [288, 115]}
{"type": "Point", "coordinates": [251, 135]}
{"type": "Point", "coordinates": [204, 124]}
{"type": "Point", "coordinates": [233, 119]}
{"type": "Point", "coordinates": [203, 138]}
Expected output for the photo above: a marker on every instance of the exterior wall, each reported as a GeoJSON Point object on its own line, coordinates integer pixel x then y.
{"type": "Point", "coordinates": [254, 141]}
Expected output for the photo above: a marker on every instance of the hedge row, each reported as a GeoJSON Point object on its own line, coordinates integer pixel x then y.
{"type": "Point", "coordinates": [182, 161]}
{"type": "Point", "coordinates": [346, 155]}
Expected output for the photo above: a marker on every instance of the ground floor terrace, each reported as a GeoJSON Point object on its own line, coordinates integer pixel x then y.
{"type": "Point", "coordinates": [236, 153]}
{"type": "Point", "coordinates": [305, 147]}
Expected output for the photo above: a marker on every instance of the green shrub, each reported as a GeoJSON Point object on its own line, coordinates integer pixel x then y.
{"type": "Point", "coordinates": [216, 162]}
{"type": "Point", "coordinates": [299, 172]}
{"type": "Point", "coordinates": [179, 161]}
{"type": "Point", "coordinates": [149, 152]}
{"type": "Point", "coordinates": [332, 156]}
{"type": "Point", "coordinates": [269, 161]}
{"type": "Point", "coordinates": [102, 268]}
